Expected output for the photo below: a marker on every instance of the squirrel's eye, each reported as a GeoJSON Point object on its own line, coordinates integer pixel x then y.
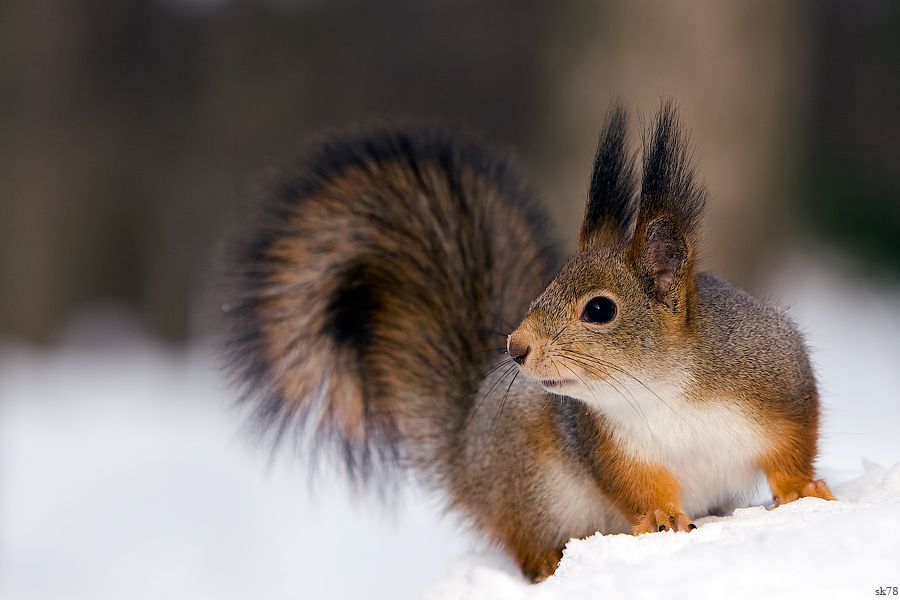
{"type": "Point", "coordinates": [599, 310]}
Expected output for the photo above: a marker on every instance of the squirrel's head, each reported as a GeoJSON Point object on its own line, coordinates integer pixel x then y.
{"type": "Point", "coordinates": [622, 306]}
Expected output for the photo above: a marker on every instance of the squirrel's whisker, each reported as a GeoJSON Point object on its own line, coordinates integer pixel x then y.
{"type": "Point", "coordinates": [497, 317]}
{"type": "Point", "coordinates": [631, 401]}
{"type": "Point", "coordinates": [636, 379]}
{"type": "Point", "coordinates": [505, 396]}
{"type": "Point", "coordinates": [496, 382]}
{"type": "Point", "coordinates": [492, 351]}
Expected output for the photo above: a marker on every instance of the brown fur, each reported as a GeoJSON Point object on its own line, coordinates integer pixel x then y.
{"type": "Point", "coordinates": [366, 310]}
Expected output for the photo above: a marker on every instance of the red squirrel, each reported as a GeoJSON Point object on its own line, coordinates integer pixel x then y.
{"type": "Point", "coordinates": [637, 393]}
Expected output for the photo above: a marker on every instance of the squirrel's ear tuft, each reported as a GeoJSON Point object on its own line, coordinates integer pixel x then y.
{"type": "Point", "coordinates": [666, 236]}
{"type": "Point", "coordinates": [668, 187]}
{"type": "Point", "coordinates": [611, 203]}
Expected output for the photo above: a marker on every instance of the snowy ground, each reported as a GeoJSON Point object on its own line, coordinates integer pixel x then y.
{"type": "Point", "coordinates": [125, 474]}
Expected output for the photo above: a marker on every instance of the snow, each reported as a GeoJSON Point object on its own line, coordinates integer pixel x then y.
{"type": "Point", "coordinates": [125, 472]}
{"type": "Point", "coordinates": [810, 547]}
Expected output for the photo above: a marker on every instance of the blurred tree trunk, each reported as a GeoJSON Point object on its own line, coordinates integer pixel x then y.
{"type": "Point", "coordinates": [735, 70]}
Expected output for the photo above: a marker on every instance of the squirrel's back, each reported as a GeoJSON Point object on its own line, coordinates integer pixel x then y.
{"type": "Point", "coordinates": [366, 290]}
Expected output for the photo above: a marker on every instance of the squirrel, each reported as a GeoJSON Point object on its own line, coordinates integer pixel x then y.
{"type": "Point", "coordinates": [636, 394]}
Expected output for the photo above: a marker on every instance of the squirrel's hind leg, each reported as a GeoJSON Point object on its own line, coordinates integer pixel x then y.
{"type": "Point", "coordinates": [788, 491]}
{"type": "Point", "coordinates": [789, 471]}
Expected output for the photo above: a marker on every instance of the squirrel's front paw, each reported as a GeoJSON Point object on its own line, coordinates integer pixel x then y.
{"type": "Point", "coordinates": [660, 520]}
{"type": "Point", "coordinates": [813, 489]}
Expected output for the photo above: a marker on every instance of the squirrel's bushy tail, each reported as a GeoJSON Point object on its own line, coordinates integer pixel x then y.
{"type": "Point", "coordinates": [365, 292]}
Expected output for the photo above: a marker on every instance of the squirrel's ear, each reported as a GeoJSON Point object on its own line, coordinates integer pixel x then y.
{"type": "Point", "coordinates": [666, 237]}
{"type": "Point", "coordinates": [663, 255]}
{"type": "Point", "coordinates": [609, 213]}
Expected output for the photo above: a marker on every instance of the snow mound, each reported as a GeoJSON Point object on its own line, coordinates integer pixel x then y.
{"type": "Point", "coordinates": [808, 548]}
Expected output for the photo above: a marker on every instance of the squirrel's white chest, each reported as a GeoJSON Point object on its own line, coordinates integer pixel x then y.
{"type": "Point", "coordinates": [711, 447]}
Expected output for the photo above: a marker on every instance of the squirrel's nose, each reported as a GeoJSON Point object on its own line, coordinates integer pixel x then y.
{"type": "Point", "coordinates": [518, 350]}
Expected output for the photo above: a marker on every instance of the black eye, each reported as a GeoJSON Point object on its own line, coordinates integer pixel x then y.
{"type": "Point", "coordinates": [599, 310]}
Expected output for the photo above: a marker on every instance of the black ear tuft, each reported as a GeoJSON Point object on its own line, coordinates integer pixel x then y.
{"type": "Point", "coordinates": [666, 237]}
{"type": "Point", "coordinates": [610, 210]}
{"type": "Point", "coordinates": [668, 186]}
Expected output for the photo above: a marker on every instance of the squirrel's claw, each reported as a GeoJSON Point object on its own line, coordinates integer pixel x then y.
{"type": "Point", "coordinates": [813, 489]}
{"type": "Point", "coordinates": [660, 520]}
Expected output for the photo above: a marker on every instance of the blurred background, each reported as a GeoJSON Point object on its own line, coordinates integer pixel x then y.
{"type": "Point", "coordinates": [130, 130]}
